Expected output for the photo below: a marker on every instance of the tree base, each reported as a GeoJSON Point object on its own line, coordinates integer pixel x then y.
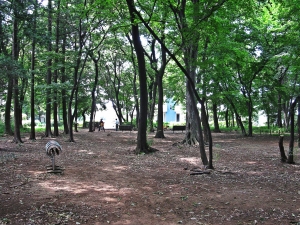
{"type": "Point", "coordinates": [147, 150]}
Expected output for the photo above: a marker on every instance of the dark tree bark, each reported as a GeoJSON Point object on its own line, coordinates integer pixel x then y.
{"type": "Point", "coordinates": [3, 35]}
{"type": "Point", "coordinates": [63, 80]}
{"type": "Point", "coordinates": [281, 149]}
{"type": "Point", "coordinates": [216, 119]}
{"type": "Point", "coordinates": [227, 118]}
{"type": "Point", "coordinates": [49, 74]}
{"type": "Point", "coordinates": [160, 113]}
{"type": "Point", "coordinates": [209, 137]}
{"type": "Point", "coordinates": [190, 82]}
{"type": "Point", "coordinates": [142, 144]}
{"type": "Point", "coordinates": [135, 92]}
{"type": "Point", "coordinates": [279, 109]}
{"type": "Point", "coordinates": [197, 122]}
{"type": "Point", "coordinates": [117, 105]}
{"type": "Point", "coordinates": [55, 74]}
{"type": "Point", "coordinates": [290, 158]}
{"type": "Point", "coordinates": [15, 82]}
{"type": "Point", "coordinates": [32, 94]}
{"type": "Point", "coordinates": [157, 88]}
{"type": "Point", "coordinates": [205, 124]}
{"type": "Point", "coordinates": [78, 70]}
{"type": "Point", "coordinates": [152, 100]}
{"type": "Point", "coordinates": [152, 90]}
{"type": "Point", "coordinates": [238, 118]}
{"type": "Point", "coordinates": [9, 96]}
{"type": "Point", "coordinates": [93, 107]}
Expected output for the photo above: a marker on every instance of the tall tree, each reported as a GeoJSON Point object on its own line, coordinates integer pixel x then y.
{"type": "Point", "coordinates": [55, 74]}
{"type": "Point", "coordinates": [49, 72]}
{"type": "Point", "coordinates": [64, 76]}
{"type": "Point", "coordinates": [15, 55]}
{"type": "Point", "coordinates": [32, 92]}
{"type": "Point", "coordinates": [142, 144]}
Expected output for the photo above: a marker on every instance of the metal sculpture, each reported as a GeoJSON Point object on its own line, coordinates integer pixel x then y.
{"type": "Point", "coordinates": [53, 148]}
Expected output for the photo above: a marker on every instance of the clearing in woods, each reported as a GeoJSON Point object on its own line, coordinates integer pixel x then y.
{"type": "Point", "coordinates": [105, 183]}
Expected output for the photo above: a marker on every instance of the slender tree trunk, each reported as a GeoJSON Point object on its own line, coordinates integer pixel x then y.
{"type": "Point", "coordinates": [152, 101]}
{"type": "Point", "coordinates": [197, 122]}
{"type": "Point", "coordinates": [250, 114]}
{"type": "Point", "coordinates": [204, 123]}
{"type": "Point", "coordinates": [93, 108]}
{"type": "Point", "coordinates": [238, 118]}
{"type": "Point", "coordinates": [226, 118]}
{"type": "Point", "coordinates": [63, 80]}
{"type": "Point", "coordinates": [9, 96]}
{"type": "Point", "coordinates": [209, 137]}
{"type": "Point", "coordinates": [281, 149]}
{"type": "Point", "coordinates": [15, 55]}
{"type": "Point", "coordinates": [142, 144]}
{"type": "Point", "coordinates": [216, 120]}
{"type": "Point", "coordinates": [55, 75]}
{"type": "Point", "coordinates": [135, 91]}
{"type": "Point", "coordinates": [32, 94]}
{"type": "Point", "coordinates": [160, 113]}
{"type": "Point", "coordinates": [232, 116]}
{"type": "Point", "coordinates": [279, 109]}
{"type": "Point", "coordinates": [292, 134]}
{"type": "Point", "coordinates": [49, 74]}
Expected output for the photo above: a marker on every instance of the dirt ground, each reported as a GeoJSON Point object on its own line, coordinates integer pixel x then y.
{"type": "Point", "coordinates": [103, 182]}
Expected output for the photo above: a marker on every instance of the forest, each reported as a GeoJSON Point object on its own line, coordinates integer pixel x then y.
{"type": "Point", "coordinates": [225, 61]}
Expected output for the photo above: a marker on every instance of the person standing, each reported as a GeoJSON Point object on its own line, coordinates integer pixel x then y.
{"type": "Point", "coordinates": [117, 124]}
{"type": "Point", "coordinates": [101, 125]}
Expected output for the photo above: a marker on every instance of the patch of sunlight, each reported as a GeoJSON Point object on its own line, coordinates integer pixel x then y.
{"type": "Point", "coordinates": [109, 199]}
{"type": "Point", "coordinates": [192, 160]}
{"type": "Point", "coordinates": [76, 187]}
{"type": "Point", "coordinates": [86, 151]}
{"type": "Point", "coordinates": [115, 168]}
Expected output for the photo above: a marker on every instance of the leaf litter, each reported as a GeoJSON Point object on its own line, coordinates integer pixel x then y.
{"type": "Point", "coordinates": [103, 182]}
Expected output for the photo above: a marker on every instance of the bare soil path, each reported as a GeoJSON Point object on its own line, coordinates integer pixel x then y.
{"type": "Point", "coordinates": [105, 183]}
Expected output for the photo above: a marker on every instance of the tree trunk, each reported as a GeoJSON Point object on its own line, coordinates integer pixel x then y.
{"type": "Point", "coordinates": [209, 137]}
{"type": "Point", "coordinates": [191, 135]}
{"type": "Point", "coordinates": [227, 118]}
{"type": "Point", "coordinates": [79, 65]}
{"type": "Point", "coordinates": [152, 101]}
{"type": "Point", "coordinates": [186, 70]}
{"type": "Point", "coordinates": [93, 107]}
{"type": "Point", "coordinates": [15, 55]}
{"type": "Point", "coordinates": [250, 114]}
{"type": "Point", "coordinates": [160, 113]}
{"type": "Point", "coordinates": [9, 96]}
{"type": "Point", "coordinates": [279, 109]}
{"type": "Point", "coordinates": [55, 75]}
{"type": "Point", "coordinates": [135, 92]}
{"type": "Point", "coordinates": [204, 123]}
{"type": "Point", "coordinates": [216, 120]}
{"type": "Point", "coordinates": [197, 123]}
{"type": "Point", "coordinates": [292, 134]}
{"type": "Point", "coordinates": [238, 118]}
{"type": "Point", "coordinates": [49, 74]}
{"type": "Point", "coordinates": [142, 144]}
{"type": "Point", "coordinates": [63, 80]}
{"type": "Point", "coordinates": [281, 149]}
{"type": "Point", "coordinates": [32, 94]}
